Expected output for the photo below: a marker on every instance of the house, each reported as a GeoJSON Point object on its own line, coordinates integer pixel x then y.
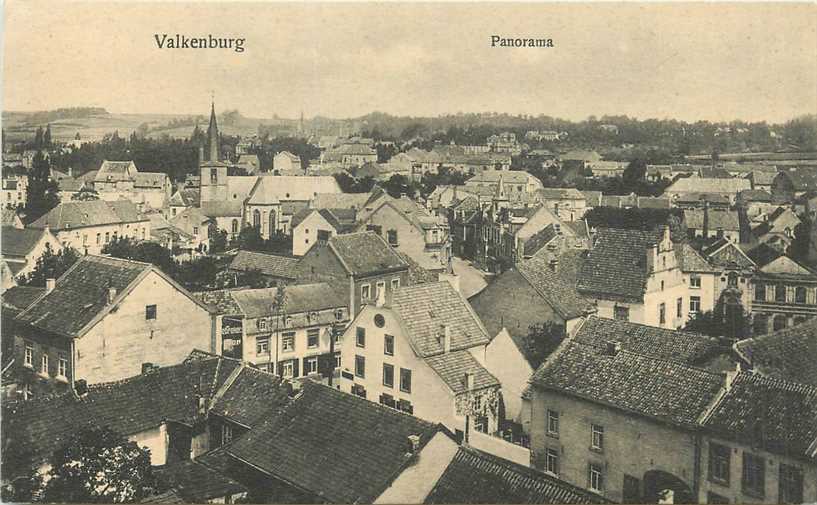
{"type": "Point", "coordinates": [474, 476]}
{"type": "Point", "coordinates": [733, 269]}
{"type": "Point", "coordinates": [69, 187]}
{"type": "Point", "coordinates": [22, 247]}
{"type": "Point", "coordinates": [759, 442]}
{"type": "Point", "coordinates": [194, 223]}
{"type": "Point", "coordinates": [755, 202]}
{"type": "Point", "coordinates": [10, 217]}
{"type": "Point", "coordinates": [607, 168]}
{"type": "Point", "coordinates": [287, 331]}
{"type": "Point", "coordinates": [701, 279]}
{"type": "Point", "coordinates": [700, 200]}
{"type": "Point", "coordinates": [249, 163]}
{"type": "Point", "coordinates": [350, 155]}
{"type": "Point", "coordinates": [286, 162]}
{"type": "Point", "coordinates": [519, 186]}
{"type": "Point", "coordinates": [793, 182]}
{"type": "Point", "coordinates": [353, 201]}
{"type": "Point", "coordinates": [728, 188]}
{"type": "Point", "coordinates": [584, 425]}
{"type": "Point", "coordinates": [712, 223]}
{"type": "Point", "coordinates": [762, 177]}
{"type": "Point", "coordinates": [102, 320]}
{"type": "Point", "coordinates": [274, 200]}
{"type": "Point", "coordinates": [182, 200]}
{"type": "Point", "coordinates": [312, 225]}
{"type": "Point", "coordinates": [361, 263]}
{"type": "Point", "coordinates": [7, 280]}
{"type": "Point", "coordinates": [327, 446]}
{"type": "Point", "coordinates": [412, 230]}
{"type": "Point", "coordinates": [568, 204]}
{"type": "Point", "coordinates": [15, 191]}
{"type": "Point", "coordinates": [274, 269]}
{"type": "Point", "coordinates": [197, 481]}
{"type": "Point", "coordinates": [634, 275]}
{"type": "Point", "coordinates": [777, 228]}
{"type": "Point", "coordinates": [580, 158]}
{"type": "Point", "coordinates": [789, 354]}
{"type": "Point", "coordinates": [446, 195]}
{"type": "Point", "coordinates": [423, 352]}
{"type": "Point", "coordinates": [183, 245]}
{"type": "Point", "coordinates": [117, 180]}
{"type": "Point", "coordinates": [88, 226]}
{"type": "Point", "coordinates": [784, 293]}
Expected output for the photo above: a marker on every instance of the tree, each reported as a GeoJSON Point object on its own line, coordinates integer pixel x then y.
{"type": "Point", "coordinates": [97, 465]}
{"type": "Point", "coordinates": [727, 320]}
{"type": "Point", "coordinates": [42, 194]}
{"type": "Point", "coordinates": [19, 471]}
{"type": "Point", "coordinates": [85, 194]}
{"type": "Point", "coordinates": [541, 340]}
{"type": "Point", "coordinates": [38, 138]}
{"type": "Point", "coordinates": [218, 239]}
{"type": "Point", "coordinates": [50, 266]}
{"type": "Point", "coordinates": [47, 136]}
{"type": "Point", "coordinates": [148, 252]}
{"type": "Point", "coordinates": [636, 171]}
{"type": "Point", "coordinates": [801, 244]}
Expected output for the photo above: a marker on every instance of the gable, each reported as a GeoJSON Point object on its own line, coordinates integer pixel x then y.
{"type": "Point", "coordinates": [785, 265]}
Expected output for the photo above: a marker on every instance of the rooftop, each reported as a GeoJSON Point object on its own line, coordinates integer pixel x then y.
{"type": "Point", "coordinates": [77, 214]}
{"type": "Point", "coordinates": [366, 252]}
{"type": "Point", "coordinates": [789, 354]}
{"type": "Point", "coordinates": [268, 264]}
{"type": "Point", "coordinates": [20, 241]}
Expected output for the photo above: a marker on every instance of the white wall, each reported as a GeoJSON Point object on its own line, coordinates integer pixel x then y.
{"type": "Point", "coordinates": [419, 478]}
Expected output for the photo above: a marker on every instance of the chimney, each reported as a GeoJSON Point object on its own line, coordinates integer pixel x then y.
{"type": "Point", "coordinates": [147, 368]}
{"type": "Point", "coordinates": [554, 265]}
{"type": "Point", "coordinates": [445, 335]}
{"type": "Point", "coordinates": [81, 388]}
{"type": "Point", "coordinates": [50, 284]}
{"type": "Point", "coordinates": [413, 444]}
{"type": "Point", "coordinates": [70, 172]}
{"type": "Point", "coordinates": [111, 294]}
{"type": "Point", "coordinates": [201, 405]}
{"type": "Point", "coordinates": [612, 348]}
{"type": "Point", "coordinates": [403, 196]}
{"type": "Point", "coordinates": [469, 381]}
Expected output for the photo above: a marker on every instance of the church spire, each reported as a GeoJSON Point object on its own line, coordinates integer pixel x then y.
{"type": "Point", "coordinates": [212, 134]}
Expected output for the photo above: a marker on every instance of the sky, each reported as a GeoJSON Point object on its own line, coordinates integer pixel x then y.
{"type": "Point", "coordinates": [669, 60]}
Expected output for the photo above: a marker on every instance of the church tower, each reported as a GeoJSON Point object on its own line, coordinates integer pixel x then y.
{"type": "Point", "coordinates": [212, 135]}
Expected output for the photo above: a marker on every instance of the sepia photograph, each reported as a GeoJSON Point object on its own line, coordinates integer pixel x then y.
{"type": "Point", "coordinates": [408, 252]}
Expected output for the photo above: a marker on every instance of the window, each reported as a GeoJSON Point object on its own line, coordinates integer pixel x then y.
{"type": "Point", "coordinates": [339, 314]}
{"type": "Point", "coordinates": [98, 238]}
{"type": "Point", "coordinates": [388, 375]}
{"type": "Point", "coordinates": [288, 370]}
{"type": "Point", "coordinates": [719, 463]}
{"type": "Point", "coordinates": [779, 322]}
{"type": "Point", "coordinates": [388, 345]}
{"type": "Point", "coordinates": [375, 228]}
{"type": "Point", "coordinates": [361, 337]}
{"type": "Point", "coordinates": [312, 365]}
{"type": "Point", "coordinates": [694, 304]}
{"type": "Point", "coordinates": [395, 283]}
{"type": "Point", "coordinates": [262, 324]}
{"type": "Point", "coordinates": [379, 320]}
{"type": "Point", "coordinates": [799, 294]}
{"type": "Point", "coordinates": [552, 461]}
{"type": "Point", "coordinates": [62, 366]}
{"type": "Point", "coordinates": [360, 366]}
{"type": "Point", "coordinates": [733, 280]}
{"type": "Point", "coordinates": [381, 288]}
{"type": "Point", "coordinates": [695, 281]}
{"type": "Point", "coordinates": [760, 292]}
{"type": "Point", "coordinates": [213, 175]}
{"type": "Point", "coordinates": [790, 484]}
{"type": "Point", "coordinates": [679, 307]}
{"type": "Point", "coordinates": [323, 235]}
{"type": "Point", "coordinates": [662, 313]}
{"type": "Point", "coordinates": [226, 433]}
{"type": "Point", "coordinates": [481, 424]}
{"type": "Point", "coordinates": [234, 226]}
{"type": "Point", "coordinates": [29, 356]}
{"type": "Point", "coordinates": [196, 230]}
{"type": "Point", "coordinates": [312, 337]}
{"type": "Point", "coordinates": [150, 312]}
{"type": "Point", "coordinates": [365, 291]}
{"type": "Point", "coordinates": [262, 345]}
{"type": "Point", "coordinates": [107, 237]}
{"type": "Point", "coordinates": [621, 313]}
{"type": "Point", "coordinates": [288, 341]}
{"type": "Point", "coordinates": [754, 475]}
{"type": "Point", "coordinates": [552, 422]}
{"type": "Point", "coordinates": [337, 360]}
{"type": "Point", "coordinates": [405, 380]}
{"type": "Point", "coordinates": [780, 293]}
{"type": "Point", "coordinates": [597, 437]}
{"type": "Point", "coordinates": [595, 479]}
{"type": "Point", "coordinates": [392, 234]}
{"type": "Point", "coordinates": [44, 364]}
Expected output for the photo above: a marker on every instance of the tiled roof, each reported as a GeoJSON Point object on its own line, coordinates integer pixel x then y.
{"type": "Point", "coordinates": [128, 406]}
{"type": "Point", "coordinates": [689, 260]}
{"type": "Point", "coordinates": [227, 208]}
{"type": "Point", "coordinates": [272, 189]}
{"type": "Point", "coordinates": [558, 288]}
{"type": "Point", "coordinates": [662, 343]}
{"type": "Point", "coordinates": [803, 178]}
{"type": "Point", "coordinates": [334, 445]}
{"type": "Point", "coordinates": [220, 301]}
{"type": "Point", "coordinates": [77, 214]}
{"type": "Point", "coordinates": [195, 482]}
{"type": "Point", "coordinates": [709, 185]}
{"type": "Point", "coordinates": [9, 217]}
{"type": "Point", "coordinates": [115, 171]}
{"type": "Point", "coordinates": [416, 273]}
{"type": "Point", "coordinates": [425, 308]}
{"type": "Point", "coordinates": [268, 264]}
{"type": "Point", "coordinates": [18, 298]}
{"type": "Point", "coordinates": [558, 194]}
{"type": "Point", "coordinates": [298, 298]}
{"type": "Point", "coordinates": [617, 264]}
{"type": "Point", "coordinates": [69, 184]}
{"type": "Point", "coordinates": [185, 198]}
{"type": "Point", "coordinates": [664, 390]}
{"type": "Point", "coordinates": [474, 476]}
{"type": "Point", "coordinates": [648, 202]}
{"type": "Point", "coordinates": [789, 354]}
{"type": "Point", "coordinates": [365, 252]}
{"type": "Point", "coordinates": [507, 176]}
{"type": "Point", "coordinates": [722, 252]}
{"type": "Point", "coordinates": [81, 294]}
{"type": "Point", "coordinates": [19, 241]}
{"type": "Point", "coordinates": [452, 366]}
{"type": "Point", "coordinates": [251, 397]}
{"type": "Point", "coordinates": [156, 180]}
{"type": "Point", "coordinates": [777, 415]}
{"type": "Point", "coordinates": [718, 219]}
{"type": "Point", "coordinates": [339, 200]}
{"type": "Point", "coordinates": [755, 195]}
{"type": "Point", "coordinates": [700, 198]}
